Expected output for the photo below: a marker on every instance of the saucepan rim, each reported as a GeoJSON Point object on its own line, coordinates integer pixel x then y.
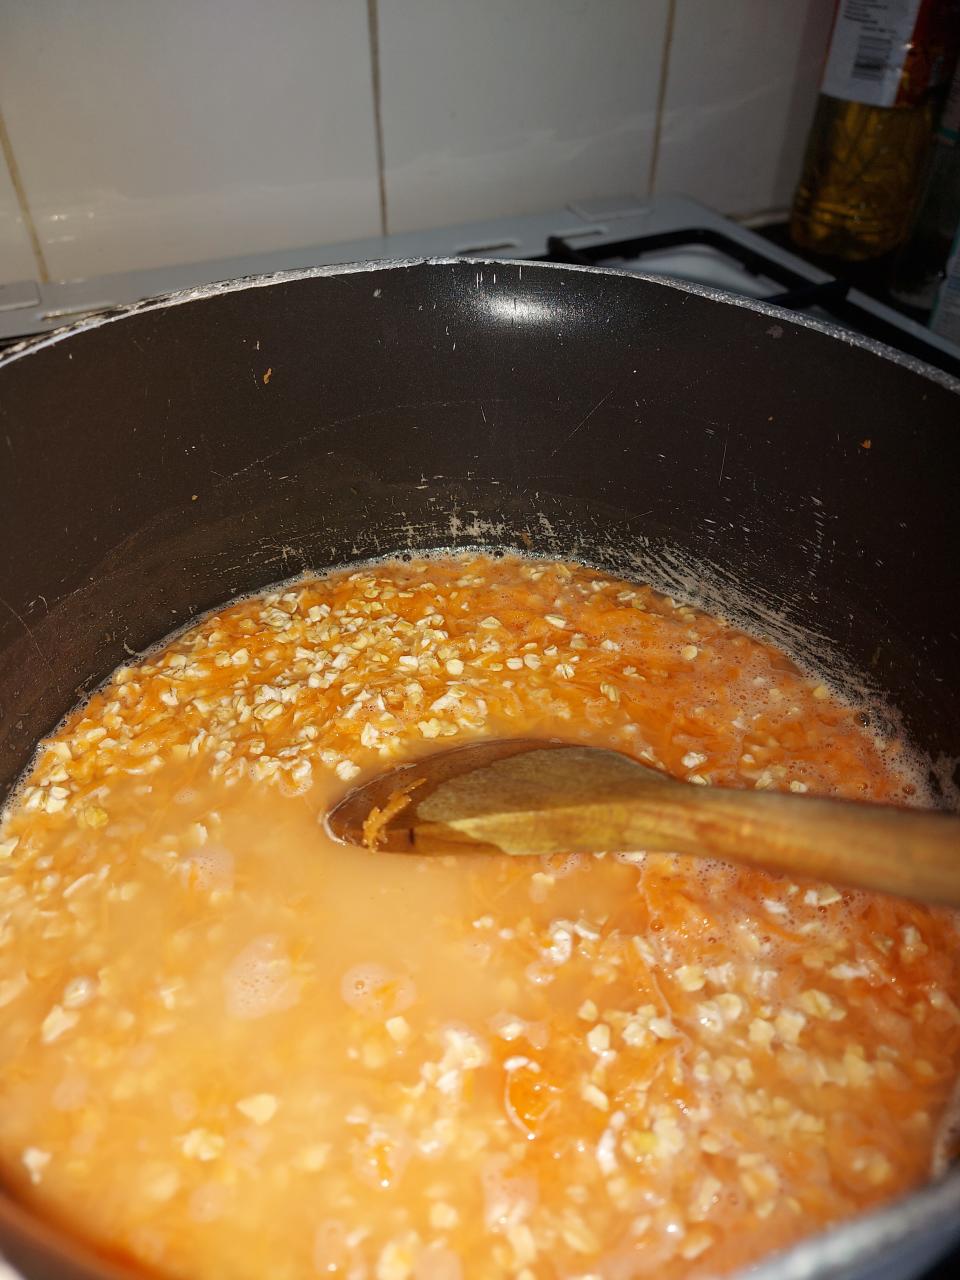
{"type": "Point", "coordinates": [196, 293]}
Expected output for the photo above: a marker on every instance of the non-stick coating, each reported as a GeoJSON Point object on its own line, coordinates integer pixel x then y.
{"type": "Point", "coordinates": [155, 465]}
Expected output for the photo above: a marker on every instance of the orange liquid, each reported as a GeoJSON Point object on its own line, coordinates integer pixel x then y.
{"type": "Point", "coordinates": [230, 1049]}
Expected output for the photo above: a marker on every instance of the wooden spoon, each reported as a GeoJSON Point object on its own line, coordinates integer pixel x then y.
{"type": "Point", "coordinates": [526, 796]}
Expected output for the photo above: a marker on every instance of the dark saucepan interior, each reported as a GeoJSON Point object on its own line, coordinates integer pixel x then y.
{"type": "Point", "coordinates": [155, 466]}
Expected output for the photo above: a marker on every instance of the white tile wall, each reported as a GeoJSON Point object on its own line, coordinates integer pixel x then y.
{"type": "Point", "coordinates": [741, 86]}
{"type": "Point", "coordinates": [148, 133]}
{"type": "Point", "coordinates": [502, 107]}
{"type": "Point", "coordinates": [16, 257]}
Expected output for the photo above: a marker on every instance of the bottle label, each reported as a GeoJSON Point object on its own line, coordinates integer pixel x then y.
{"type": "Point", "coordinates": [870, 48]}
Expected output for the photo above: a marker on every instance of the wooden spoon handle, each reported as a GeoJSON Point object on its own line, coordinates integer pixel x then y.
{"type": "Point", "coordinates": [911, 853]}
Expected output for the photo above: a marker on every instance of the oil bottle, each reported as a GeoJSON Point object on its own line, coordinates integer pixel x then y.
{"type": "Point", "coordinates": [867, 149]}
{"type": "Point", "coordinates": [920, 265]}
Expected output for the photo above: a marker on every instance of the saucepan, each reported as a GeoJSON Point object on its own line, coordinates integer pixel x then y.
{"type": "Point", "coordinates": [157, 461]}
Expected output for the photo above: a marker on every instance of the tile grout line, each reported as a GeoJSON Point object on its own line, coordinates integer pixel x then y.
{"type": "Point", "coordinates": [661, 95]}
{"type": "Point", "coordinates": [373, 27]}
{"type": "Point", "coordinates": [6, 148]}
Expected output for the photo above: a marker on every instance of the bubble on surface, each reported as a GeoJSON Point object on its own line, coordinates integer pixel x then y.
{"type": "Point", "coordinates": [260, 980]}
{"type": "Point", "coordinates": [561, 865]}
{"type": "Point", "coordinates": [508, 1197]}
{"type": "Point", "coordinates": [377, 991]}
{"type": "Point", "coordinates": [209, 867]}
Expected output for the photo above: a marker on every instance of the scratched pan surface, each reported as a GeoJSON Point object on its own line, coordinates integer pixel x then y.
{"type": "Point", "coordinates": [155, 463]}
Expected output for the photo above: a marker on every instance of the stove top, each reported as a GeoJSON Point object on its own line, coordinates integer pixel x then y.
{"type": "Point", "coordinates": [669, 236]}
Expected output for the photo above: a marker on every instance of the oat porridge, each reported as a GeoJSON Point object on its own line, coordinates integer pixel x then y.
{"type": "Point", "coordinates": [231, 1049]}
